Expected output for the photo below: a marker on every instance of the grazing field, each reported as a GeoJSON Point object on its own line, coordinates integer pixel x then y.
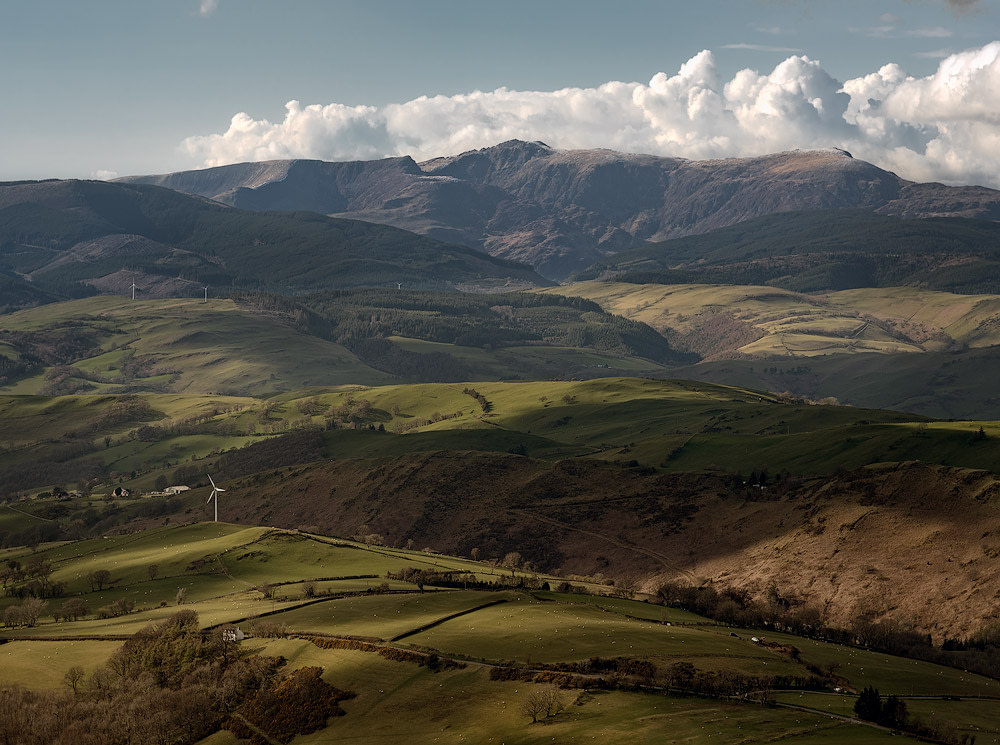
{"type": "Point", "coordinates": [382, 616]}
{"type": "Point", "coordinates": [891, 674]}
{"type": "Point", "coordinates": [521, 626]}
{"type": "Point", "coordinates": [402, 702]}
{"type": "Point", "coordinates": [528, 630]}
{"type": "Point", "coordinates": [43, 664]}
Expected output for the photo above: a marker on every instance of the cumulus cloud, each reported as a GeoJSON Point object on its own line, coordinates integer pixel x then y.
{"type": "Point", "coordinates": [104, 175]}
{"type": "Point", "coordinates": [208, 7]}
{"type": "Point", "coordinates": [943, 126]}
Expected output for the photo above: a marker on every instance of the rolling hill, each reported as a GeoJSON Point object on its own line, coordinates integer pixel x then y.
{"type": "Point", "coordinates": [410, 654]}
{"type": "Point", "coordinates": [255, 344]}
{"type": "Point", "coordinates": [903, 348]}
{"type": "Point", "coordinates": [561, 211]}
{"type": "Point", "coordinates": [105, 236]}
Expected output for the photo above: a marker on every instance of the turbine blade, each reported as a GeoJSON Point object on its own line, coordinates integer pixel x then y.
{"type": "Point", "coordinates": [218, 489]}
{"type": "Point", "coordinates": [210, 478]}
{"type": "Point", "coordinates": [210, 497]}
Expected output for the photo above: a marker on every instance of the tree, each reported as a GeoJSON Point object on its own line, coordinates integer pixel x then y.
{"type": "Point", "coordinates": [681, 675]}
{"type": "Point", "coordinates": [153, 570]}
{"type": "Point", "coordinates": [894, 713]}
{"type": "Point", "coordinates": [869, 705]}
{"type": "Point", "coordinates": [161, 482]}
{"type": "Point", "coordinates": [98, 579]}
{"type": "Point", "coordinates": [73, 678]}
{"type": "Point", "coordinates": [512, 561]}
{"type": "Point", "coordinates": [181, 596]}
{"type": "Point", "coordinates": [533, 705]}
{"type": "Point", "coordinates": [545, 702]}
{"type": "Point", "coordinates": [474, 554]}
{"type": "Point", "coordinates": [73, 609]}
{"type": "Point", "coordinates": [267, 590]}
{"type": "Point", "coordinates": [31, 609]}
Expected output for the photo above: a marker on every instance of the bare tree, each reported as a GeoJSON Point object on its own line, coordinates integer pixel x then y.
{"type": "Point", "coordinates": [31, 609]}
{"type": "Point", "coordinates": [153, 570]}
{"type": "Point", "coordinates": [542, 702]}
{"type": "Point", "coordinates": [512, 561]}
{"type": "Point", "coordinates": [533, 705]}
{"type": "Point", "coordinates": [73, 678]}
{"type": "Point", "coordinates": [182, 595]}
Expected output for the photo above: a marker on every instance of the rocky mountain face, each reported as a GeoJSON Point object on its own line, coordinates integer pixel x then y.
{"type": "Point", "coordinates": [563, 210]}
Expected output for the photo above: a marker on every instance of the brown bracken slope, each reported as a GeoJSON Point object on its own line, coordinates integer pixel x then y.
{"type": "Point", "coordinates": [897, 540]}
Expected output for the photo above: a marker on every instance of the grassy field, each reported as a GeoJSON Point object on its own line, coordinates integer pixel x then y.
{"type": "Point", "coordinates": [399, 700]}
{"type": "Point", "coordinates": [405, 703]}
{"type": "Point", "coordinates": [194, 346]}
{"type": "Point", "coordinates": [791, 324]}
{"type": "Point", "coordinates": [43, 664]}
{"type": "Point", "coordinates": [891, 674]}
{"type": "Point", "coordinates": [671, 424]}
{"type": "Point", "coordinates": [968, 717]}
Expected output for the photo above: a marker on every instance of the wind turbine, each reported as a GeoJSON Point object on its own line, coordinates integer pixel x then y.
{"type": "Point", "coordinates": [133, 289]}
{"type": "Point", "coordinates": [214, 495]}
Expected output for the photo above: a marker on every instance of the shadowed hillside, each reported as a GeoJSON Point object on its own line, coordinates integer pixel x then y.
{"type": "Point", "coordinates": [105, 236]}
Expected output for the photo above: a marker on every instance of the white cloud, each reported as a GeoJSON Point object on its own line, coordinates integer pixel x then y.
{"type": "Point", "coordinates": [104, 175]}
{"type": "Point", "coordinates": [208, 7]}
{"type": "Point", "coordinates": [943, 127]}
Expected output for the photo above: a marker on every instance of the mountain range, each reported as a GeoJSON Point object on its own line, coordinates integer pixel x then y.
{"type": "Point", "coordinates": [79, 237]}
{"type": "Point", "coordinates": [563, 210]}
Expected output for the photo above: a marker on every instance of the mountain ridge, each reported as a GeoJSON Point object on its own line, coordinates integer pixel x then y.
{"type": "Point", "coordinates": [90, 232]}
{"type": "Point", "coordinates": [562, 210]}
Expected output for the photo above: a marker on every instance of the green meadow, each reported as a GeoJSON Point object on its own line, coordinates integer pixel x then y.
{"type": "Point", "coordinates": [223, 569]}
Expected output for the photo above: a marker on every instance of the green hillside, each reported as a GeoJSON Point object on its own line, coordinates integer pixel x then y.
{"type": "Point", "coordinates": [419, 660]}
{"type": "Point", "coordinates": [822, 250]}
{"type": "Point", "coordinates": [256, 344]}
{"type": "Point", "coordinates": [903, 348]}
{"type": "Point", "coordinates": [673, 425]}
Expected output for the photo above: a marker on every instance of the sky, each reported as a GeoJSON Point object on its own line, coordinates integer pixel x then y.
{"type": "Point", "coordinates": [102, 88]}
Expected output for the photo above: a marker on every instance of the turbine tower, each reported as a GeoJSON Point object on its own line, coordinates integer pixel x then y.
{"type": "Point", "coordinates": [133, 289]}
{"type": "Point", "coordinates": [214, 495]}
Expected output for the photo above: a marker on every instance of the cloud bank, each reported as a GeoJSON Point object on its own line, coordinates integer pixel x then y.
{"type": "Point", "coordinates": [943, 127]}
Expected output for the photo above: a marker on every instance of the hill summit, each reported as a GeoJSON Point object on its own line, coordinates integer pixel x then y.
{"type": "Point", "coordinates": [563, 210]}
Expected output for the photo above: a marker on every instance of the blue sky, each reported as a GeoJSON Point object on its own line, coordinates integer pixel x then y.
{"type": "Point", "coordinates": [119, 85]}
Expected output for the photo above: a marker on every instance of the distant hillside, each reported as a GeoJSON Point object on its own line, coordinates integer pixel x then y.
{"type": "Point", "coordinates": [903, 348]}
{"type": "Point", "coordinates": [823, 250]}
{"type": "Point", "coordinates": [104, 236]}
{"type": "Point", "coordinates": [561, 211]}
{"type": "Point", "coordinates": [258, 344]}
